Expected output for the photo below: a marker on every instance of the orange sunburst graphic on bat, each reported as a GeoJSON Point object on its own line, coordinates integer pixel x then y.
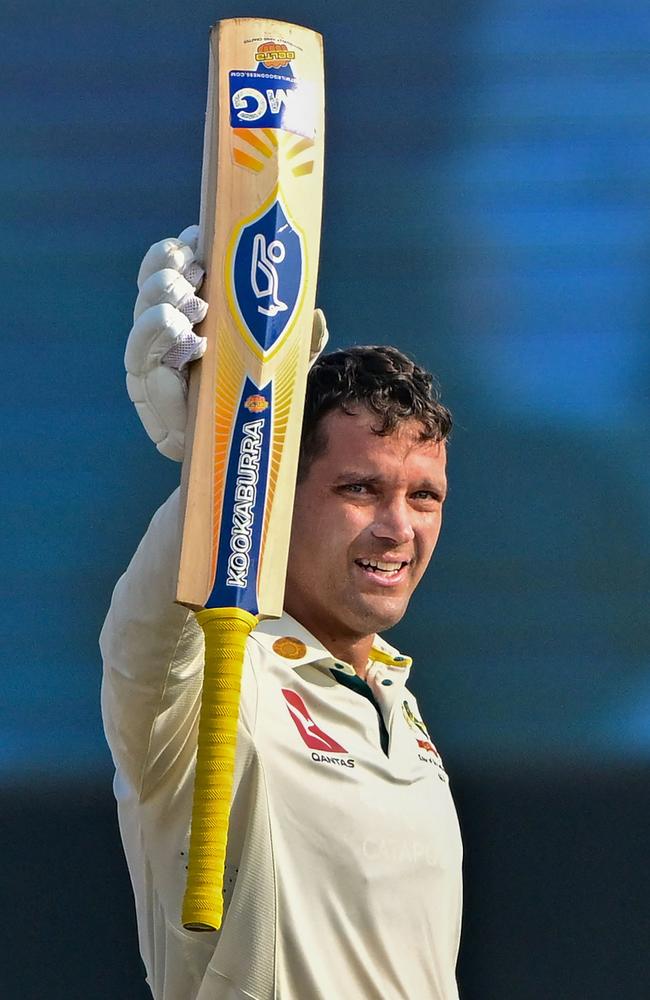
{"type": "Point", "coordinates": [256, 149]}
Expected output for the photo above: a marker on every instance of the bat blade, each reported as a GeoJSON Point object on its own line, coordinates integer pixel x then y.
{"type": "Point", "coordinates": [261, 197]}
{"type": "Point", "coordinates": [259, 241]}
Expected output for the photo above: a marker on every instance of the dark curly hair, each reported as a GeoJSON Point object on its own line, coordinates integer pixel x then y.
{"type": "Point", "coordinates": [380, 378]}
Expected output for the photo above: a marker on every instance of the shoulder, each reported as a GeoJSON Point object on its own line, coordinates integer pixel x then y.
{"type": "Point", "coordinates": [284, 641]}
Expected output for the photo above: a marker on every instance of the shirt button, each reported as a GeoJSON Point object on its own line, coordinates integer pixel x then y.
{"type": "Point", "coordinates": [387, 682]}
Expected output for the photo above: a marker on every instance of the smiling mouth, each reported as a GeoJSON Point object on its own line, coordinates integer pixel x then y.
{"type": "Point", "coordinates": [385, 569]}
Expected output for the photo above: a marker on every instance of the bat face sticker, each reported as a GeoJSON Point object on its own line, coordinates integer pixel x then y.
{"type": "Point", "coordinates": [263, 265]}
{"type": "Point", "coordinates": [245, 494]}
{"type": "Point", "coordinates": [266, 276]}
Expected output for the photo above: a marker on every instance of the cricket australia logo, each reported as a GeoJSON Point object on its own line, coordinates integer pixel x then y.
{"type": "Point", "coordinates": [427, 751]}
{"type": "Point", "coordinates": [265, 275]}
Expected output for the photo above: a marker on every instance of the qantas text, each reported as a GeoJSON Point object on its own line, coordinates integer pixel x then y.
{"type": "Point", "coordinates": [322, 758]}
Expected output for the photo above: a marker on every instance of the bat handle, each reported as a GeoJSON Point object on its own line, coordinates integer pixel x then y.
{"type": "Point", "coordinates": [226, 631]}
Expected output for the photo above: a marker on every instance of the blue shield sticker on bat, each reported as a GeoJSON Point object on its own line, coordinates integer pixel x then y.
{"type": "Point", "coordinates": [267, 275]}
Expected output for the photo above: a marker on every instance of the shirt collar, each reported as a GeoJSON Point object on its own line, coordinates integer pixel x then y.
{"type": "Point", "coordinates": [307, 649]}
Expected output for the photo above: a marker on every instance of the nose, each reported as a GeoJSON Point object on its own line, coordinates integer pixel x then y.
{"type": "Point", "coordinates": [394, 523]}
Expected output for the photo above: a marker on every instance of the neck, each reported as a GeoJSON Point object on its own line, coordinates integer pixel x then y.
{"type": "Point", "coordinates": [356, 652]}
{"type": "Point", "coordinates": [352, 649]}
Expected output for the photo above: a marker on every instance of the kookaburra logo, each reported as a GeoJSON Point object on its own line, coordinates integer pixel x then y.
{"type": "Point", "coordinates": [243, 520]}
{"type": "Point", "coordinates": [264, 273]}
{"type": "Point", "coordinates": [267, 273]}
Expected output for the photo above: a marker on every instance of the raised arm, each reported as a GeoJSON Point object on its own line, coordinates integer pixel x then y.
{"type": "Point", "coordinates": [153, 657]}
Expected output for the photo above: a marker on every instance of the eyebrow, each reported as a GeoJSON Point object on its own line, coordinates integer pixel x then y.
{"type": "Point", "coordinates": [350, 476]}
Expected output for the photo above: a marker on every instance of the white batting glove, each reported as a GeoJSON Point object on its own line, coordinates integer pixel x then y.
{"type": "Point", "coordinates": [162, 342]}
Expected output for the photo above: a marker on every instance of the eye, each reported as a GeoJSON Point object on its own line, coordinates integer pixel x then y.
{"type": "Point", "coordinates": [427, 495]}
{"type": "Point", "coordinates": [355, 490]}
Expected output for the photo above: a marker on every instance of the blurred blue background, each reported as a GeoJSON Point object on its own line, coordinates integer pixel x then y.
{"type": "Point", "coordinates": [488, 210]}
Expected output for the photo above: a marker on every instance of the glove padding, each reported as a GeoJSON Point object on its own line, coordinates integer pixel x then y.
{"type": "Point", "coordinates": [162, 341]}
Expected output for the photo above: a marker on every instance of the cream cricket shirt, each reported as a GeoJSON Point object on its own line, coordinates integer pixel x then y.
{"type": "Point", "coordinates": [343, 875]}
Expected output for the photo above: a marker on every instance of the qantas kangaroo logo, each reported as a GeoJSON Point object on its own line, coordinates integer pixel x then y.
{"type": "Point", "coordinates": [312, 735]}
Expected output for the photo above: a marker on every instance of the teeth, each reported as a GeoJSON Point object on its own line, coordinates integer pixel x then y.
{"type": "Point", "coordinates": [386, 567]}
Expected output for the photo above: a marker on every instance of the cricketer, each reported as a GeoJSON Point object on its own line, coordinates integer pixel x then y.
{"type": "Point", "coordinates": [343, 865]}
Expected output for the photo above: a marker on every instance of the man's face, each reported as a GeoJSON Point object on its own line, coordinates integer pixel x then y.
{"type": "Point", "coordinates": [366, 521]}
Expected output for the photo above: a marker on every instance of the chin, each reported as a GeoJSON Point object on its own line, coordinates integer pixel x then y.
{"type": "Point", "coordinates": [378, 619]}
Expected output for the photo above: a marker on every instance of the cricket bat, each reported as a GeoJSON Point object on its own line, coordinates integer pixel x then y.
{"type": "Point", "coordinates": [261, 199]}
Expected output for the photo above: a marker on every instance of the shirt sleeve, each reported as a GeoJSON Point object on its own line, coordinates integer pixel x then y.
{"type": "Point", "coordinates": [153, 651]}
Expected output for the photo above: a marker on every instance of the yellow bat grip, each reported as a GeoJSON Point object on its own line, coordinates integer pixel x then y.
{"type": "Point", "coordinates": [226, 631]}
